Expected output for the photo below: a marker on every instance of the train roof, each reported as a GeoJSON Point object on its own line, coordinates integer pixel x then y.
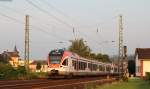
{"type": "Point", "coordinates": [75, 55]}
{"type": "Point", "coordinates": [85, 59]}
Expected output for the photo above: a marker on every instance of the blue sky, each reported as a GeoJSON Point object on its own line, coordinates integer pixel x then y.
{"type": "Point", "coordinates": [84, 15]}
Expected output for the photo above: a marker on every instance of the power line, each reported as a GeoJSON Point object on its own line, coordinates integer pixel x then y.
{"type": "Point", "coordinates": [55, 36]}
{"type": "Point", "coordinates": [34, 18]}
{"type": "Point", "coordinates": [30, 2]}
{"type": "Point", "coordinates": [37, 20]}
{"type": "Point", "coordinates": [14, 10]}
{"type": "Point", "coordinates": [37, 28]}
{"type": "Point", "coordinates": [18, 21]}
{"type": "Point", "coordinates": [21, 13]}
{"type": "Point", "coordinates": [49, 14]}
{"type": "Point", "coordinates": [58, 10]}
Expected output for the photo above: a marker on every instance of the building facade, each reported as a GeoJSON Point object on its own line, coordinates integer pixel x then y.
{"type": "Point", "coordinates": [33, 66]}
{"type": "Point", "coordinates": [142, 61]}
{"type": "Point", "coordinates": [12, 57]}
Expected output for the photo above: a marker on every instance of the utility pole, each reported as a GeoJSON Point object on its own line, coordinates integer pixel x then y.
{"type": "Point", "coordinates": [125, 62]}
{"type": "Point", "coordinates": [74, 33]}
{"type": "Point", "coordinates": [26, 55]}
{"type": "Point", "coordinates": [120, 51]}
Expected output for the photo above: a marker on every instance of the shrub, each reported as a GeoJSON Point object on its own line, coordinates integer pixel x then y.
{"type": "Point", "coordinates": [22, 73]}
{"type": "Point", "coordinates": [32, 76]}
{"type": "Point", "coordinates": [8, 72]}
{"type": "Point", "coordinates": [125, 78]}
{"type": "Point", "coordinates": [148, 77]}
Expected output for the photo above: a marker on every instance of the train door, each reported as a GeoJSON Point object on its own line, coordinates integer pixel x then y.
{"type": "Point", "coordinates": [70, 68]}
{"type": "Point", "coordinates": [69, 65]}
{"type": "Point", "coordinates": [65, 65]}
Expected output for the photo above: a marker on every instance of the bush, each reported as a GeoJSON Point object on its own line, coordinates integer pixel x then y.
{"type": "Point", "coordinates": [32, 76]}
{"type": "Point", "coordinates": [22, 73]}
{"type": "Point", "coordinates": [8, 72]}
{"type": "Point", "coordinates": [38, 75]}
{"type": "Point", "coordinates": [148, 77]}
{"type": "Point", "coordinates": [125, 78]}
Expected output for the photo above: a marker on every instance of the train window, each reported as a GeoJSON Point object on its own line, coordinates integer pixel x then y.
{"type": "Point", "coordinates": [103, 68]}
{"type": "Point", "coordinates": [94, 67]}
{"type": "Point", "coordinates": [100, 68]}
{"type": "Point", "coordinates": [79, 65]}
{"type": "Point", "coordinates": [82, 65]}
{"type": "Point", "coordinates": [65, 62]}
{"type": "Point", "coordinates": [90, 66]}
{"type": "Point", "coordinates": [74, 64]}
{"type": "Point", "coordinates": [85, 65]}
{"type": "Point", "coordinates": [115, 69]}
{"type": "Point", "coordinates": [55, 56]}
{"type": "Point", "coordinates": [108, 68]}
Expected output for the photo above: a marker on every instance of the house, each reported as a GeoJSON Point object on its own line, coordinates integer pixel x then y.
{"type": "Point", "coordinates": [22, 62]}
{"type": "Point", "coordinates": [33, 66]}
{"type": "Point", "coordinates": [12, 57]}
{"type": "Point", "coordinates": [142, 61]}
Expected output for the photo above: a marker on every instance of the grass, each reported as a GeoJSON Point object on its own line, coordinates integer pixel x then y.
{"type": "Point", "coordinates": [132, 84]}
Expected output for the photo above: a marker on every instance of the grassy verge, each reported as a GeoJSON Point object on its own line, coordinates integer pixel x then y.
{"type": "Point", "coordinates": [132, 84]}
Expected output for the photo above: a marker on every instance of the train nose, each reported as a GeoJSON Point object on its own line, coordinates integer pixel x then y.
{"type": "Point", "coordinates": [54, 72]}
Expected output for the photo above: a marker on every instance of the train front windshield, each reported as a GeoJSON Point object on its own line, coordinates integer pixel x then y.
{"type": "Point", "coordinates": [55, 56]}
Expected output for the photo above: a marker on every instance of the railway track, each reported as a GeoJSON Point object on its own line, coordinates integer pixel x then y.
{"type": "Point", "coordinates": [78, 83]}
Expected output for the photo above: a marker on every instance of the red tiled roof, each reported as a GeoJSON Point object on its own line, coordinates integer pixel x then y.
{"type": "Point", "coordinates": [13, 54]}
{"type": "Point", "coordinates": [143, 53]}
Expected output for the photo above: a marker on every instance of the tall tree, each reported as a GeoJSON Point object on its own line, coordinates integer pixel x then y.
{"type": "Point", "coordinates": [93, 56]}
{"type": "Point", "coordinates": [106, 58]}
{"type": "Point", "coordinates": [99, 57]}
{"type": "Point", "coordinates": [78, 46]}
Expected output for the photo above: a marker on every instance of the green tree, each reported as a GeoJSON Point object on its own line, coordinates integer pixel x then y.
{"type": "Point", "coordinates": [21, 70]}
{"type": "Point", "coordinates": [78, 46]}
{"type": "Point", "coordinates": [106, 58]}
{"type": "Point", "coordinates": [7, 71]}
{"type": "Point", "coordinates": [99, 57]}
{"type": "Point", "coordinates": [93, 56]}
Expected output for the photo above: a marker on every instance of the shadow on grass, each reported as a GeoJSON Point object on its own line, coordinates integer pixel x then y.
{"type": "Point", "coordinates": [141, 84]}
{"type": "Point", "coordinates": [131, 84]}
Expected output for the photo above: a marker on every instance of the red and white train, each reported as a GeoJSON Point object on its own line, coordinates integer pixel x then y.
{"type": "Point", "coordinates": [68, 64]}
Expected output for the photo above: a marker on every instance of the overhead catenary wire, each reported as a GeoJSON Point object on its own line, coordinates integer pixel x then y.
{"type": "Point", "coordinates": [52, 6]}
{"type": "Point", "coordinates": [46, 26]}
{"type": "Point", "coordinates": [30, 2]}
{"type": "Point", "coordinates": [46, 32]}
{"type": "Point", "coordinates": [49, 14]}
{"type": "Point", "coordinates": [21, 13]}
{"type": "Point", "coordinates": [57, 10]}
{"type": "Point", "coordinates": [16, 20]}
{"type": "Point", "coordinates": [36, 28]}
{"type": "Point", "coordinates": [46, 12]}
